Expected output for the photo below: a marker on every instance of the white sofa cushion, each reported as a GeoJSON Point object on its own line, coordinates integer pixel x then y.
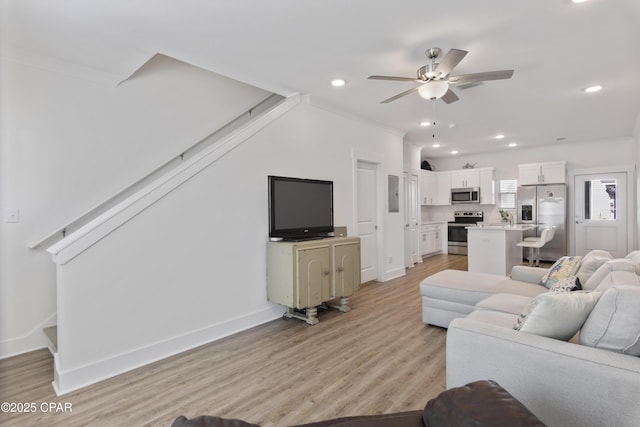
{"type": "Point", "coordinates": [495, 318]}
{"type": "Point", "coordinates": [614, 323]}
{"type": "Point", "coordinates": [590, 264]}
{"type": "Point", "coordinates": [614, 272]}
{"type": "Point", "coordinates": [557, 315]}
{"type": "Point", "coordinates": [505, 303]}
{"type": "Point", "coordinates": [469, 288]}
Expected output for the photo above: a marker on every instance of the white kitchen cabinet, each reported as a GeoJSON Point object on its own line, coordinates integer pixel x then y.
{"type": "Point", "coordinates": [428, 187]}
{"type": "Point", "coordinates": [487, 186]}
{"type": "Point", "coordinates": [443, 196]}
{"type": "Point", "coordinates": [430, 239]}
{"type": "Point", "coordinates": [542, 173]}
{"type": "Point", "coordinates": [465, 178]}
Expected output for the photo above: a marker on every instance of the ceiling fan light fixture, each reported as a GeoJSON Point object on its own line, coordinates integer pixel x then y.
{"type": "Point", "coordinates": [433, 89]}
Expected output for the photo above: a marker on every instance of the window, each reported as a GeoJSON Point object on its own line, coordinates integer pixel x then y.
{"type": "Point", "coordinates": [507, 193]}
{"type": "Point", "coordinates": [600, 202]}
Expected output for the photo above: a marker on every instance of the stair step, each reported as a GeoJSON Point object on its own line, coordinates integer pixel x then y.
{"type": "Point", "coordinates": [52, 333]}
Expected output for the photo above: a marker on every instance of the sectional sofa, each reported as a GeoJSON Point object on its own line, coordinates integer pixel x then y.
{"type": "Point", "coordinates": [570, 357]}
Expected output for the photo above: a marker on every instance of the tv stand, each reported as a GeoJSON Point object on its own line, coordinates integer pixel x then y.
{"type": "Point", "coordinates": [312, 274]}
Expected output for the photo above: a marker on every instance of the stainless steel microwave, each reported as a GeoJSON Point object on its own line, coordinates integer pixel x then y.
{"type": "Point", "coordinates": [465, 195]}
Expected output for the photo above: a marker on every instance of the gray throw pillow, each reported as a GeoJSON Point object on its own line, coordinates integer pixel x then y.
{"type": "Point", "coordinates": [557, 315]}
{"type": "Point", "coordinates": [614, 323]}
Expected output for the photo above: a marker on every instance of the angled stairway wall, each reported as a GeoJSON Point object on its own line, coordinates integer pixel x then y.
{"type": "Point", "coordinates": [189, 267]}
{"type": "Point", "coordinates": [139, 282]}
{"type": "Point", "coordinates": [69, 142]}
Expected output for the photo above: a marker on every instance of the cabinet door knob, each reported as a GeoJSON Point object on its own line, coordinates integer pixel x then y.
{"type": "Point", "coordinates": [340, 269]}
{"type": "Point", "coordinates": [326, 272]}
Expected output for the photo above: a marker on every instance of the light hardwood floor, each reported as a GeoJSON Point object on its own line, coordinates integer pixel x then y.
{"type": "Point", "coordinates": [378, 358]}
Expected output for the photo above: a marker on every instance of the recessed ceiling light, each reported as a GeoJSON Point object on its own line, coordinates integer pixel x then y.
{"type": "Point", "coordinates": [338, 82]}
{"type": "Point", "coordinates": [435, 145]}
{"type": "Point", "coordinates": [499, 136]}
{"type": "Point", "coordinates": [425, 123]}
{"type": "Point", "coordinates": [513, 144]}
{"type": "Point", "coordinates": [578, 1]}
{"type": "Point", "coordinates": [595, 88]}
{"type": "Point", "coordinates": [454, 152]}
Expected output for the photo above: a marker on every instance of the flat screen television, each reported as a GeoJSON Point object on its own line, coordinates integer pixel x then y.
{"type": "Point", "coordinates": [300, 208]}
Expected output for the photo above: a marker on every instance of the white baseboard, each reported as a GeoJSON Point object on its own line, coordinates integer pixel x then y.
{"type": "Point", "coordinates": [394, 274]}
{"type": "Point", "coordinates": [82, 376]}
{"type": "Point", "coordinates": [35, 339]}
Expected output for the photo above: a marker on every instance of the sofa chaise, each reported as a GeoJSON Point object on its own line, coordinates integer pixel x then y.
{"type": "Point", "coordinates": [574, 361]}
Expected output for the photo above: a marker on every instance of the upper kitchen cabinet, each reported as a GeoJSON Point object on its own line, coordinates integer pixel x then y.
{"type": "Point", "coordinates": [542, 173]}
{"type": "Point", "coordinates": [444, 188]}
{"type": "Point", "coordinates": [428, 187]}
{"type": "Point", "coordinates": [487, 186]}
{"type": "Point", "coordinates": [465, 178]}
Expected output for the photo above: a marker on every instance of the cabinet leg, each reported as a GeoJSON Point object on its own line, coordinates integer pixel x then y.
{"type": "Point", "coordinates": [310, 315]}
{"type": "Point", "coordinates": [343, 306]}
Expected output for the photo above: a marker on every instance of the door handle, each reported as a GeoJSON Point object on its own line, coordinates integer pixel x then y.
{"type": "Point", "coordinates": [579, 222]}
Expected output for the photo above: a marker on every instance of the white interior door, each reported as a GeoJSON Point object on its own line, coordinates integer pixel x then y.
{"type": "Point", "coordinates": [601, 213]}
{"type": "Point", "coordinates": [367, 219]}
{"type": "Point", "coordinates": [408, 239]}
{"type": "Point", "coordinates": [414, 217]}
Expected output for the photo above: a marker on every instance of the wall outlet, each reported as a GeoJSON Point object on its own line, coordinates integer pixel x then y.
{"type": "Point", "coordinates": [12, 215]}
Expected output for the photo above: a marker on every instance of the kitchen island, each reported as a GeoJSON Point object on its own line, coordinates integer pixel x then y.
{"type": "Point", "coordinates": [493, 248]}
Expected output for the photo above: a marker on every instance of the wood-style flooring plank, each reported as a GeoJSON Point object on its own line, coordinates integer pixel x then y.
{"type": "Point", "coordinates": [377, 358]}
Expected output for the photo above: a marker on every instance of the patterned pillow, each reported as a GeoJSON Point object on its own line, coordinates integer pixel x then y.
{"type": "Point", "coordinates": [567, 284]}
{"type": "Point", "coordinates": [564, 267]}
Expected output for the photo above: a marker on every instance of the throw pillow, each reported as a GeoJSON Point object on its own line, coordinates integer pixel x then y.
{"type": "Point", "coordinates": [568, 284]}
{"type": "Point", "coordinates": [564, 267]}
{"type": "Point", "coordinates": [591, 262]}
{"type": "Point", "coordinates": [557, 315]}
{"type": "Point", "coordinates": [614, 272]}
{"type": "Point", "coordinates": [614, 323]}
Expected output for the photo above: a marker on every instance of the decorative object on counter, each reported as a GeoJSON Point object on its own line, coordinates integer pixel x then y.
{"type": "Point", "coordinates": [469, 165]}
{"type": "Point", "coordinates": [504, 215]}
{"type": "Point", "coordinates": [426, 166]}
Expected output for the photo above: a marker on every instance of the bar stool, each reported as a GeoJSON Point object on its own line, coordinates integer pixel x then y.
{"type": "Point", "coordinates": [535, 245]}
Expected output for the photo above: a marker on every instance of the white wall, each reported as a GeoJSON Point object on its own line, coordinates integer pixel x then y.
{"type": "Point", "coordinates": [69, 143]}
{"type": "Point", "coordinates": [636, 136]}
{"type": "Point", "coordinates": [192, 267]}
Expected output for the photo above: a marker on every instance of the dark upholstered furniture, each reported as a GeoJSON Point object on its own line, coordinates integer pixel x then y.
{"type": "Point", "coordinates": [478, 404]}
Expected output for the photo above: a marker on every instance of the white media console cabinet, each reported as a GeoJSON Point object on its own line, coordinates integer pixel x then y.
{"type": "Point", "coordinates": [307, 274]}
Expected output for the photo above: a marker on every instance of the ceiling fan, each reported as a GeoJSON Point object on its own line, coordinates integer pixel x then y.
{"type": "Point", "coordinates": [434, 78]}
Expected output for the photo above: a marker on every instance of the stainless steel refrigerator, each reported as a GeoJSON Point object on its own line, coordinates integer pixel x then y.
{"type": "Point", "coordinates": [543, 206]}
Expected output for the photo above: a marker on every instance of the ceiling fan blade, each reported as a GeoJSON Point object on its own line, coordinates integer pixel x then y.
{"type": "Point", "coordinates": [450, 60]}
{"type": "Point", "coordinates": [481, 77]}
{"type": "Point", "coordinates": [400, 95]}
{"type": "Point", "coordinates": [401, 79]}
{"type": "Point", "coordinates": [449, 97]}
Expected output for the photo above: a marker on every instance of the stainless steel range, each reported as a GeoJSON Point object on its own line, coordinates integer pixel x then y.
{"type": "Point", "coordinates": [457, 233]}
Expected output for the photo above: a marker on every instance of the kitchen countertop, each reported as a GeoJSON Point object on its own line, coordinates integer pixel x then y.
{"type": "Point", "coordinates": [505, 227]}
